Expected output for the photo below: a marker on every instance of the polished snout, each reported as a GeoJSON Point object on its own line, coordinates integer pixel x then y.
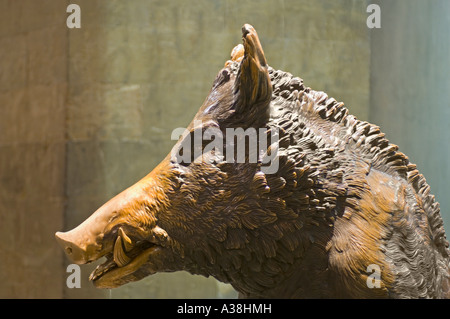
{"type": "Point", "coordinates": [87, 241]}
{"type": "Point", "coordinates": [77, 252]}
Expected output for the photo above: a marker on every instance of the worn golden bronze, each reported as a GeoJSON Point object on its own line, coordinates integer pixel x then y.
{"type": "Point", "coordinates": [343, 200]}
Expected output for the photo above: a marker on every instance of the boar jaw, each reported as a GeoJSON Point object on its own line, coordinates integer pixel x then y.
{"type": "Point", "coordinates": [120, 265]}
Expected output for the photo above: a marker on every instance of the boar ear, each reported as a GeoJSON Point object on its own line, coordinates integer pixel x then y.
{"type": "Point", "coordinates": [253, 89]}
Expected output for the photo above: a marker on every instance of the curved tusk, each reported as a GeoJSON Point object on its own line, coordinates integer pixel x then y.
{"type": "Point", "coordinates": [120, 258]}
{"type": "Point", "coordinates": [127, 243]}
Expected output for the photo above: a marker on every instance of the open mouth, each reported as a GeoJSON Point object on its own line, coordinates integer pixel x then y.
{"type": "Point", "coordinates": [126, 257]}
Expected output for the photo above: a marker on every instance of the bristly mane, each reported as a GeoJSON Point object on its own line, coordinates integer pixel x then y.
{"type": "Point", "coordinates": [359, 136]}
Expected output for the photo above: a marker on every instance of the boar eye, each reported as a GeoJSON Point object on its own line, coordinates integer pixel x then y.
{"type": "Point", "coordinates": [209, 108]}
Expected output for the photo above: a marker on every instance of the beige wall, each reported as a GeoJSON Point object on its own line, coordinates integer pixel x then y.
{"type": "Point", "coordinates": [33, 85]}
{"type": "Point", "coordinates": [87, 112]}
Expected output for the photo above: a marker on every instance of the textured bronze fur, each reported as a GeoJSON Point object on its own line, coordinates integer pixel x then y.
{"type": "Point", "coordinates": [343, 198]}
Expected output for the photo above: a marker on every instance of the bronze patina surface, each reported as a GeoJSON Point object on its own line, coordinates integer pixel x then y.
{"type": "Point", "coordinates": [343, 198]}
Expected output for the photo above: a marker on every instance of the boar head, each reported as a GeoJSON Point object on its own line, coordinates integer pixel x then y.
{"type": "Point", "coordinates": [211, 217]}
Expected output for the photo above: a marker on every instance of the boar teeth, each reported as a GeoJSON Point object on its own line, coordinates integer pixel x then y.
{"type": "Point", "coordinates": [101, 269]}
{"type": "Point", "coordinates": [127, 244]}
{"type": "Point", "coordinates": [120, 258]}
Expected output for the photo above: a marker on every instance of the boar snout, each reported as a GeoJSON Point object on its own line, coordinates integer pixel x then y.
{"type": "Point", "coordinates": [73, 250]}
{"type": "Point", "coordinates": [84, 243]}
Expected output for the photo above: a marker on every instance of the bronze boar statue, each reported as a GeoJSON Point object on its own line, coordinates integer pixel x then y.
{"type": "Point", "coordinates": [344, 215]}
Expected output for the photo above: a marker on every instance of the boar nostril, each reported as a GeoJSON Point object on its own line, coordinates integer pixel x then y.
{"type": "Point", "coordinates": [68, 250]}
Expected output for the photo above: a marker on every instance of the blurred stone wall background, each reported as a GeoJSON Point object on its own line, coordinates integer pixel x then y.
{"type": "Point", "coordinates": [33, 142]}
{"type": "Point", "coordinates": [410, 87]}
{"type": "Point", "coordinates": [85, 113]}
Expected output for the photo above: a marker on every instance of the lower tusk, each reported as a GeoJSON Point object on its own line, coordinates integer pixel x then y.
{"type": "Point", "coordinates": [120, 258]}
{"type": "Point", "coordinates": [127, 243]}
